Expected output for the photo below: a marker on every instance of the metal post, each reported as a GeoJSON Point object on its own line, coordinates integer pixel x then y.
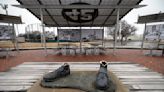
{"type": "Point", "coordinates": [54, 30]}
{"type": "Point", "coordinates": [115, 33]}
{"type": "Point", "coordinates": [32, 28]}
{"type": "Point", "coordinates": [94, 33]}
{"type": "Point", "coordinates": [159, 34]}
{"type": "Point", "coordinates": [38, 31]}
{"type": "Point", "coordinates": [6, 6]}
{"type": "Point", "coordinates": [80, 41]}
{"type": "Point", "coordinates": [17, 29]}
{"type": "Point", "coordinates": [15, 39]}
{"type": "Point", "coordinates": [143, 38]}
{"type": "Point", "coordinates": [28, 33]}
{"type": "Point", "coordinates": [29, 27]}
{"type": "Point", "coordinates": [41, 34]}
{"type": "Point", "coordinates": [44, 37]}
{"type": "Point", "coordinates": [120, 31]}
{"type": "Point", "coordinates": [58, 36]}
{"type": "Point", "coordinates": [103, 37]}
{"type": "Point", "coordinates": [26, 30]}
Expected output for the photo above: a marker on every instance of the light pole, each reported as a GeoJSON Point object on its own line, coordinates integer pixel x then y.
{"type": "Point", "coordinates": [4, 6]}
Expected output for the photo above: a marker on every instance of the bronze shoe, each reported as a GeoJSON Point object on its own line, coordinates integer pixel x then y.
{"type": "Point", "coordinates": [62, 71]}
{"type": "Point", "coordinates": [102, 81]}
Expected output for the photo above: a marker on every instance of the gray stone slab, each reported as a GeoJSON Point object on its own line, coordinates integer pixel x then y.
{"type": "Point", "coordinates": [140, 76]}
{"type": "Point", "coordinates": [124, 74]}
{"type": "Point", "coordinates": [137, 73]}
{"type": "Point", "coordinates": [143, 82]}
{"type": "Point", "coordinates": [80, 65]}
{"type": "Point", "coordinates": [18, 81]}
{"type": "Point", "coordinates": [143, 79]}
{"type": "Point", "coordinates": [96, 62]}
{"type": "Point", "coordinates": [16, 84]}
{"type": "Point", "coordinates": [21, 74]}
{"type": "Point", "coordinates": [18, 77]}
{"type": "Point", "coordinates": [146, 90]}
{"type": "Point", "coordinates": [14, 88]}
{"type": "Point", "coordinates": [73, 68]}
{"type": "Point", "coordinates": [148, 86]}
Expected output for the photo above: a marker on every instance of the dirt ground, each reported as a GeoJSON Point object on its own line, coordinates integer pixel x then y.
{"type": "Point", "coordinates": [33, 45]}
{"type": "Point", "coordinates": [155, 63]}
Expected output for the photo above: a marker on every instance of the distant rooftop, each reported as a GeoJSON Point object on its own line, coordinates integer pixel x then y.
{"type": "Point", "coordinates": [10, 19]}
{"type": "Point", "coordinates": [159, 17]}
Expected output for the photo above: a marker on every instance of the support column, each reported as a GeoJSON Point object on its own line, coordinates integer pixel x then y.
{"type": "Point", "coordinates": [15, 39]}
{"type": "Point", "coordinates": [159, 39]}
{"type": "Point", "coordinates": [58, 36]}
{"type": "Point", "coordinates": [28, 32]}
{"type": "Point", "coordinates": [17, 29]}
{"type": "Point", "coordinates": [143, 38]}
{"type": "Point", "coordinates": [32, 28]}
{"type": "Point", "coordinates": [120, 28]}
{"type": "Point", "coordinates": [44, 37]}
{"type": "Point", "coordinates": [116, 30]}
{"type": "Point", "coordinates": [80, 41]}
{"type": "Point", "coordinates": [103, 37]}
{"type": "Point", "coordinates": [40, 33]}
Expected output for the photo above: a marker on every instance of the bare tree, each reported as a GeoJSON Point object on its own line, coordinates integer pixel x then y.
{"type": "Point", "coordinates": [126, 31]}
{"type": "Point", "coordinates": [111, 31]}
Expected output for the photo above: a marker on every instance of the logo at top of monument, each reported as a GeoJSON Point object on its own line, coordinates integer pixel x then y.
{"type": "Point", "coordinates": [80, 15]}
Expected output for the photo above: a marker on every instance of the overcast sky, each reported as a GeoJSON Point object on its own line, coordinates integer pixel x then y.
{"type": "Point", "coordinates": [153, 6]}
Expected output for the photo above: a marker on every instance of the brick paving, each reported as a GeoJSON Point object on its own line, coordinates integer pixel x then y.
{"type": "Point", "coordinates": [155, 63]}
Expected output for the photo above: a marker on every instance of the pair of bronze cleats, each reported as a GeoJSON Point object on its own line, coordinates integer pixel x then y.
{"type": "Point", "coordinates": [102, 81]}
